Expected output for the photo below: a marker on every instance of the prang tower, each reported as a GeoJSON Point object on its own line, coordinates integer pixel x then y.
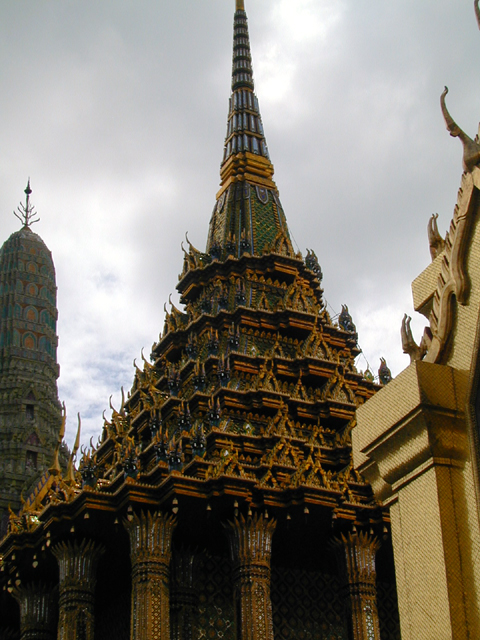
{"type": "Point", "coordinates": [30, 413]}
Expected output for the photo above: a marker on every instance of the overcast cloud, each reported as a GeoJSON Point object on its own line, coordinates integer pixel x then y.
{"type": "Point", "coordinates": [117, 112]}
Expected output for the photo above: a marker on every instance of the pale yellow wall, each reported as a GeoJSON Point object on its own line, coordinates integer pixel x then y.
{"type": "Point", "coordinates": [419, 562]}
{"type": "Point", "coordinates": [413, 442]}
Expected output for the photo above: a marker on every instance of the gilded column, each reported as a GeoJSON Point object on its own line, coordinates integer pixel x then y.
{"type": "Point", "coordinates": [78, 567]}
{"type": "Point", "coordinates": [251, 548]}
{"type": "Point", "coordinates": [150, 553]}
{"type": "Point", "coordinates": [184, 598]}
{"type": "Point", "coordinates": [38, 606]}
{"type": "Point", "coordinates": [356, 556]}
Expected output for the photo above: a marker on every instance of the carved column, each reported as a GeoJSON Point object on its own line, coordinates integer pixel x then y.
{"type": "Point", "coordinates": [150, 553]}
{"type": "Point", "coordinates": [184, 598]}
{"type": "Point", "coordinates": [78, 567]}
{"type": "Point", "coordinates": [251, 548]}
{"type": "Point", "coordinates": [356, 556]}
{"type": "Point", "coordinates": [38, 606]}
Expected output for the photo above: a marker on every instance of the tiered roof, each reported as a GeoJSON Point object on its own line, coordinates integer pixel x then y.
{"type": "Point", "coordinates": [251, 390]}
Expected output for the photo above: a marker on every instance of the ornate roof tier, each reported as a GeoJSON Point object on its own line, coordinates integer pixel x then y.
{"type": "Point", "coordinates": [248, 215]}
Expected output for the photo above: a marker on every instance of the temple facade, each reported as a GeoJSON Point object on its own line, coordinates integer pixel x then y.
{"type": "Point", "coordinates": [30, 413]}
{"type": "Point", "coordinates": [222, 499]}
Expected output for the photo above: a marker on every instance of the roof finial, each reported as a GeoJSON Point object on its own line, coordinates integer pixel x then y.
{"type": "Point", "coordinates": [471, 149]}
{"type": "Point", "coordinates": [56, 469]}
{"type": "Point", "coordinates": [477, 12]}
{"type": "Point", "coordinates": [70, 477]}
{"type": "Point", "coordinates": [240, 5]}
{"type": "Point", "coordinates": [26, 212]}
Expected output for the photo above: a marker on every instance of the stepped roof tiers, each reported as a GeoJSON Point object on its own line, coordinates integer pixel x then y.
{"type": "Point", "coordinates": [222, 498]}
{"type": "Point", "coordinates": [30, 413]}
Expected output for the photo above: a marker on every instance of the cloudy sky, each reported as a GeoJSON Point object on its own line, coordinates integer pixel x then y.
{"type": "Point", "coordinates": [117, 112]}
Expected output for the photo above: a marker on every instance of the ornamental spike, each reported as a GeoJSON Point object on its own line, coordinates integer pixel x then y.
{"type": "Point", "coordinates": [26, 213]}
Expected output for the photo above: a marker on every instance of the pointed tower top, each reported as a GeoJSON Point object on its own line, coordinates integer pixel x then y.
{"type": "Point", "coordinates": [248, 216]}
{"type": "Point", "coordinates": [245, 137]}
{"type": "Point", "coordinates": [26, 213]}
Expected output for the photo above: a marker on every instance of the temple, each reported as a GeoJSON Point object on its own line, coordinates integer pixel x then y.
{"type": "Point", "coordinates": [253, 484]}
{"type": "Point", "coordinates": [221, 498]}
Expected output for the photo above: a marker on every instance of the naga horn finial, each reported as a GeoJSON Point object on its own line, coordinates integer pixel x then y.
{"type": "Point", "coordinates": [56, 469]}
{"type": "Point", "coordinates": [138, 370]}
{"type": "Point", "coordinates": [190, 245]}
{"type": "Point", "coordinates": [435, 240]}
{"type": "Point", "coordinates": [70, 477]}
{"type": "Point", "coordinates": [471, 150]}
{"type": "Point", "coordinates": [409, 346]}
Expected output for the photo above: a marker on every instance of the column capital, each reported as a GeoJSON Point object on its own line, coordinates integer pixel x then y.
{"type": "Point", "coordinates": [78, 561]}
{"type": "Point", "coordinates": [38, 608]}
{"type": "Point", "coordinates": [150, 535]}
{"type": "Point", "coordinates": [77, 564]}
{"type": "Point", "coordinates": [357, 554]}
{"type": "Point", "coordinates": [251, 539]}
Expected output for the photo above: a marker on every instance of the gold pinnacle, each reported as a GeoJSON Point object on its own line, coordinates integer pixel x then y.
{"type": "Point", "coordinates": [240, 5]}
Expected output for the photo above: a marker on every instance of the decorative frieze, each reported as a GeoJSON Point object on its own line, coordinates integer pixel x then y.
{"type": "Point", "coordinates": [150, 552]}
{"type": "Point", "coordinates": [356, 557]}
{"type": "Point", "coordinates": [38, 607]}
{"type": "Point", "coordinates": [78, 566]}
{"type": "Point", "coordinates": [250, 548]}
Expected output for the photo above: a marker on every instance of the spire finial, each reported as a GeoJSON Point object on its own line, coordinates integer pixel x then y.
{"type": "Point", "coordinates": [26, 212]}
{"type": "Point", "coordinates": [248, 198]}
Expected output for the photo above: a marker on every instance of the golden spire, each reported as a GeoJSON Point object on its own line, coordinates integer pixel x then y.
{"type": "Point", "coordinates": [246, 154]}
{"type": "Point", "coordinates": [248, 216]}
